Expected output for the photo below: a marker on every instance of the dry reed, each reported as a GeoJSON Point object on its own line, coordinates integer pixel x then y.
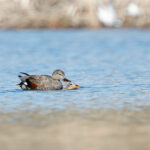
{"type": "Point", "coordinates": [65, 14]}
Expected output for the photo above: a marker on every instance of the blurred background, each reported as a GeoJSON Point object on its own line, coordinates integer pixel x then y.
{"type": "Point", "coordinates": [74, 13]}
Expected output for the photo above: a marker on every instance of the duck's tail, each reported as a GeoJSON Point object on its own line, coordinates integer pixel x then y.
{"type": "Point", "coordinates": [25, 73]}
{"type": "Point", "coordinates": [23, 85]}
{"type": "Point", "coordinates": [24, 81]}
{"type": "Point", "coordinates": [23, 78]}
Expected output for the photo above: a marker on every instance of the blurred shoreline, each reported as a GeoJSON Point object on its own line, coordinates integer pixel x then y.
{"type": "Point", "coordinates": [17, 14]}
{"type": "Point", "coordinates": [72, 130]}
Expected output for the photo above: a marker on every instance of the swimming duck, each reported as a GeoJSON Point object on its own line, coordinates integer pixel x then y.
{"type": "Point", "coordinates": [42, 82]}
{"type": "Point", "coordinates": [70, 85]}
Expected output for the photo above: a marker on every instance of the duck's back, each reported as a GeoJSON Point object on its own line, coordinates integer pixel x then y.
{"type": "Point", "coordinates": [44, 82]}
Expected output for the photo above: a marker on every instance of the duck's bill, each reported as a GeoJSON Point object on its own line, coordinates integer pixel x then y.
{"type": "Point", "coordinates": [66, 80]}
{"type": "Point", "coordinates": [77, 86]}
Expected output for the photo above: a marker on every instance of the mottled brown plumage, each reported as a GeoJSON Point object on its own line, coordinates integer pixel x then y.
{"type": "Point", "coordinates": [71, 85]}
{"type": "Point", "coordinates": [42, 82]}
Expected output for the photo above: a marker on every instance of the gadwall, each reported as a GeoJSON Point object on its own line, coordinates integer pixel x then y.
{"type": "Point", "coordinates": [70, 85]}
{"type": "Point", "coordinates": [42, 82]}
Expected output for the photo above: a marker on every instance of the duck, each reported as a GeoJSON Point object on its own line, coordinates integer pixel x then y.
{"type": "Point", "coordinates": [42, 82]}
{"type": "Point", "coordinates": [71, 85]}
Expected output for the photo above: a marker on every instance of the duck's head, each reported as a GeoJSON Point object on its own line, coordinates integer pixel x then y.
{"type": "Point", "coordinates": [71, 85]}
{"type": "Point", "coordinates": [59, 75]}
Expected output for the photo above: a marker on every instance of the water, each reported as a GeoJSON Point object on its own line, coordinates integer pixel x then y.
{"type": "Point", "coordinates": [113, 66]}
{"type": "Point", "coordinates": [112, 109]}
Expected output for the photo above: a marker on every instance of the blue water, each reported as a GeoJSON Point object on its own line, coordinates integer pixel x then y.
{"type": "Point", "coordinates": [113, 66]}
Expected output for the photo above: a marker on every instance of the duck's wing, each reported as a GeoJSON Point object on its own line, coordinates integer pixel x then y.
{"type": "Point", "coordinates": [39, 82]}
{"type": "Point", "coordinates": [33, 81]}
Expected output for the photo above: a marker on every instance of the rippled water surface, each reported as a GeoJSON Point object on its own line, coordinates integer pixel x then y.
{"type": "Point", "coordinates": [113, 66]}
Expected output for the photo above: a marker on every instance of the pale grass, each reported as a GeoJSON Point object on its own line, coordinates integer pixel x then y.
{"type": "Point", "coordinates": [65, 13]}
